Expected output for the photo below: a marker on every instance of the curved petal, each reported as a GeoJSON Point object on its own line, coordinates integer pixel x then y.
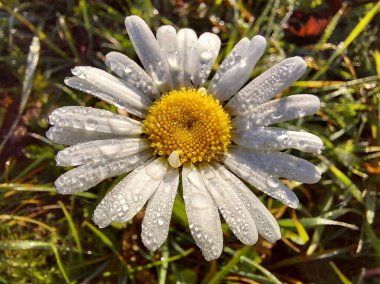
{"type": "Point", "coordinates": [233, 58]}
{"type": "Point", "coordinates": [96, 120]}
{"type": "Point", "coordinates": [168, 41]}
{"type": "Point", "coordinates": [72, 136]}
{"type": "Point", "coordinates": [100, 151]}
{"type": "Point", "coordinates": [267, 85]}
{"type": "Point", "coordinates": [230, 205]}
{"type": "Point", "coordinates": [86, 176]}
{"type": "Point", "coordinates": [272, 138]}
{"type": "Point", "coordinates": [132, 74]}
{"type": "Point", "coordinates": [279, 163]}
{"type": "Point", "coordinates": [279, 110]}
{"type": "Point", "coordinates": [239, 73]}
{"type": "Point", "coordinates": [262, 180]}
{"type": "Point", "coordinates": [202, 213]}
{"type": "Point", "coordinates": [208, 50]}
{"type": "Point", "coordinates": [155, 226]}
{"type": "Point", "coordinates": [188, 48]}
{"type": "Point", "coordinates": [265, 222]}
{"type": "Point", "coordinates": [128, 197]}
{"type": "Point", "coordinates": [107, 87]}
{"type": "Point", "coordinates": [149, 52]}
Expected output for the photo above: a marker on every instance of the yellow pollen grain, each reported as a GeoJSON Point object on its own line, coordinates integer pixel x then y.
{"type": "Point", "coordinates": [190, 124]}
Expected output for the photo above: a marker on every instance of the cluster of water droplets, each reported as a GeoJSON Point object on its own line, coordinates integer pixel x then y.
{"type": "Point", "coordinates": [208, 48]}
{"type": "Point", "coordinates": [272, 138]}
{"type": "Point", "coordinates": [100, 151]}
{"type": "Point", "coordinates": [72, 136]}
{"type": "Point", "coordinates": [188, 51]}
{"type": "Point", "coordinates": [88, 175]}
{"type": "Point", "coordinates": [149, 52]}
{"type": "Point", "coordinates": [105, 86]}
{"type": "Point", "coordinates": [129, 196]}
{"type": "Point", "coordinates": [156, 221]}
{"type": "Point", "coordinates": [131, 73]}
{"type": "Point", "coordinates": [265, 223]}
{"type": "Point", "coordinates": [234, 60]}
{"type": "Point", "coordinates": [168, 42]}
{"type": "Point", "coordinates": [264, 181]}
{"type": "Point", "coordinates": [203, 216]}
{"type": "Point", "coordinates": [231, 206]}
{"type": "Point", "coordinates": [211, 245]}
{"type": "Point", "coordinates": [279, 110]}
{"type": "Point", "coordinates": [284, 165]}
{"type": "Point", "coordinates": [267, 85]}
{"type": "Point", "coordinates": [92, 119]}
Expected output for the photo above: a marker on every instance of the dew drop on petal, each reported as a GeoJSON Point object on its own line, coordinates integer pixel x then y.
{"type": "Point", "coordinates": [155, 171]}
{"type": "Point", "coordinates": [199, 201]}
{"type": "Point", "coordinates": [271, 182]}
{"type": "Point", "coordinates": [161, 221]}
{"type": "Point", "coordinates": [206, 55]}
{"type": "Point", "coordinates": [91, 124]}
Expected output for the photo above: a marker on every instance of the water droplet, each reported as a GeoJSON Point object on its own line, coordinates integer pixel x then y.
{"type": "Point", "coordinates": [91, 124]}
{"type": "Point", "coordinates": [161, 221]}
{"type": "Point", "coordinates": [206, 55]}
{"type": "Point", "coordinates": [276, 115]}
{"type": "Point", "coordinates": [271, 182]}
{"type": "Point", "coordinates": [209, 174]}
{"type": "Point", "coordinates": [200, 201]}
{"type": "Point", "coordinates": [128, 69]}
{"type": "Point", "coordinates": [133, 159]}
{"type": "Point", "coordinates": [243, 63]}
{"type": "Point", "coordinates": [155, 170]}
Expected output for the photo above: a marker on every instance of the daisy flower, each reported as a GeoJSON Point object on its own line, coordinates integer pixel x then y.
{"type": "Point", "coordinates": [212, 138]}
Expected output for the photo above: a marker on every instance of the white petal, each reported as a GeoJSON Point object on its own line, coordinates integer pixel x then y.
{"type": "Point", "coordinates": [231, 206]}
{"type": "Point", "coordinates": [233, 58]}
{"type": "Point", "coordinates": [97, 120]}
{"type": "Point", "coordinates": [279, 163]}
{"type": "Point", "coordinates": [267, 85]}
{"type": "Point", "coordinates": [272, 138]}
{"type": "Point", "coordinates": [279, 110]}
{"type": "Point", "coordinates": [155, 226]}
{"type": "Point", "coordinates": [100, 151]}
{"type": "Point", "coordinates": [71, 136]}
{"type": "Point", "coordinates": [128, 197]}
{"type": "Point", "coordinates": [208, 50]}
{"type": "Point", "coordinates": [84, 177]}
{"type": "Point", "coordinates": [265, 222]}
{"type": "Point", "coordinates": [239, 72]}
{"type": "Point", "coordinates": [202, 213]}
{"type": "Point", "coordinates": [132, 74]}
{"type": "Point", "coordinates": [188, 48]}
{"type": "Point", "coordinates": [149, 52]}
{"type": "Point", "coordinates": [261, 179]}
{"type": "Point", "coordinates": [168, 41]}
{"type": "Point", "coordinates": [109, 88]}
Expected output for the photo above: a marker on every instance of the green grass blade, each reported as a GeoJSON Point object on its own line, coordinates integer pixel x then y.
{"type": "Point", "coordinates": [226, 269]}
{"type": "Point", "coordinates": [262, 269]}
{"type": "Point", "coordinates": [346, 182]}
{"type": "Point", "coordinates": [72, 227]}
{"type": "Point", "coordinates": [60, 264]}
{"type": "Point", "coordinates": [340, 275]}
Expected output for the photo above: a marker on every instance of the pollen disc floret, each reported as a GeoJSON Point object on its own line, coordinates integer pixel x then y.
{"type": "Point", "coordinates": [188, 125]}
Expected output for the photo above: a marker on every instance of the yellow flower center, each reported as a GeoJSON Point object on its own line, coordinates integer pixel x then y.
{"type": "Point", "coordinates": [188, 125]}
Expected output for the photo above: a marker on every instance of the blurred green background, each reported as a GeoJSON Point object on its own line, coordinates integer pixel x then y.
{"type": "Point", "coordinates": [333, 238]}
